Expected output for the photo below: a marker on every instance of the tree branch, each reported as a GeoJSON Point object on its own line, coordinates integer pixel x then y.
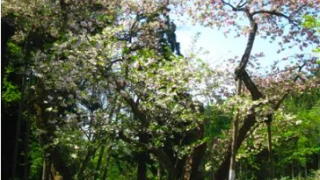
{"type": "Point", "coordinates": [274, 13]}
{"type": "Point", "coordinates": [277, 105]}
{"type": "Point", "coordinates": [131, 103]}
{"type": "Point", "coordinates": [241, 4]}
{"type": "Point", "coordinates": [238, 8]}
{"type": "Point", "coordinates": [245, 58]}
{"type": "Point", "coordinates": [255, 93]}
{"type": "Point", "coordinates": [299, 9]}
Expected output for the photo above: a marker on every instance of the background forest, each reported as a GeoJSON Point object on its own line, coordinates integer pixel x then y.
{"type": "Point", "coordinates": [94, 89]}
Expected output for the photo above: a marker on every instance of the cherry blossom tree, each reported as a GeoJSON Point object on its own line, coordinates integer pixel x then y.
{"type": "Point", "coordinates": [267, 19]}
{"type": "Point", "coordinates": [105, 80]}
{"type": "Point", "coordinates": [112, 71]}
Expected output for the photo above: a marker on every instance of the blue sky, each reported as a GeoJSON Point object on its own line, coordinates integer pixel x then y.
{"type": "Point", "coordinates": [221, 48]}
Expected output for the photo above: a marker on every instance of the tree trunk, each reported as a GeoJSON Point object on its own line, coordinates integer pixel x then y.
{"type": "Point", "coordinates": [187, 169]}
{"type": "Point", "coordinates": [26, 152]}
{"type": "Point", "coordinates": [55, 167]}
{"type": "Point", "coordinates": [97, 171]}
{"type": "Point", "coordinates": [241, 75]}
{"type": "Point", "coordinates": [16, 145]}
{"type": "Point", "coordinates": [9, 113]}
{"type": "Point", "coordinates": [305, 171]}
{"type": "Point", "coordinates": [318, 160]}
{"type": "Point", "coordinates": [102, 150]}
{"type": "Point", "coordinates": [142, 166]}
{"type": "Point", "coordinates": [46, 169]}
{"type": "Point", "coordinates": [240, 169]}
{"type": "Point", "coordinates": [105, 172]}
{"type": "Point", "coordinates": [18, 127]}
{"type": "Point", "coordinates": [232, 169]}
{"type": "Point", "coordinates": [222, 172]}
{"type": "Point", "coordinates": [159, 173]}
{"type": "Point", "coordinates": [292, 170]}
{"type": "Point", "coordinates": [197, 157]}
{"type": "Point", "coordinates": [91, 152]}
{"type": "Point", "coordinates": [246, 177]}
{"type": "Point", "coordinates": [271, 163]}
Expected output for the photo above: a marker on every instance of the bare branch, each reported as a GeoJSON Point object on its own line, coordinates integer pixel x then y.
{"type": "Point", "coordinates": [296, 11]}
{"type": "Point", "coordinates": [275, 13]}
{"type": "Point", "coordinates": [233, 8]}
{"type": "Point", "coordinates": [241, 4]}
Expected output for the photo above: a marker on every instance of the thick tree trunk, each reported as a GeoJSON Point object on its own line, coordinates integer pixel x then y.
{"type": "Point", "coordinates": [142, 158]}
{"type": "Point", "coordinates": [46, 169]}
{"type": "Point", "coordinates": [142, 166]}
{"type": "Point", "coordinates": [16, 144]}
{"type": "Point", "coordinates": [59, 165]}
{"type": "Point", "coordinates": [197, 156]}
{"type": "Point", "coordinates": [165, 161]}
{"type": "Point", "coordinates": [187, 169]}
{"type": "Point", "coordinates": [55, 175]}
{"type": "Point", "coordinates": [222, 172]}
{"type": "Point", "coordinates": [53, 169]}
{"type": "Point", "coordinates": [19, 124]}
